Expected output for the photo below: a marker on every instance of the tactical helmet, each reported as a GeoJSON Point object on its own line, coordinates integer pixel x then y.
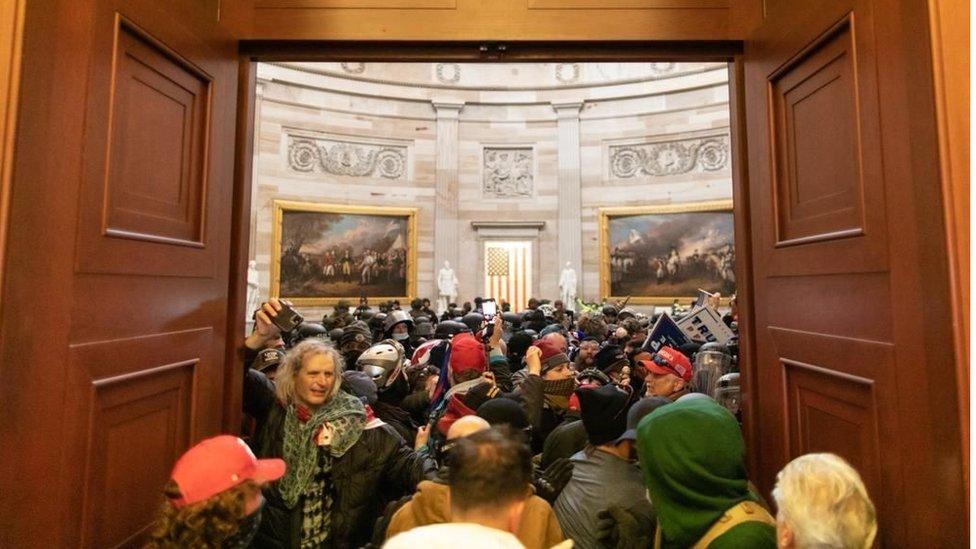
{"type": "Point", "coordinates": [311, 329]}
{"type": "Point", "coordinates": [382, 362]}
{"type": "Point", "coordinates": [396, 317]}
{"type": "Point", "coordinates": [473, 321]}
{"type": "Point", "coordinates": [449, 328]}
{"type": "Point", "coordinates": [609, 310]}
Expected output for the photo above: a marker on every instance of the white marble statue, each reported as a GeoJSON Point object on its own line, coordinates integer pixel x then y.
{"type": "Point", "coordinates": [567, 286]}
{"type": "Point", "coordinates": [253, 298]}
{"type": "Point", "coordinates": [446, 287]}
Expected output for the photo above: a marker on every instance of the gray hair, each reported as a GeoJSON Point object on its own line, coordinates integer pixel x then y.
{"type": "Point", "coordinates": [824, 502]}
{"type": "Point", "coordinates": [291, 366]}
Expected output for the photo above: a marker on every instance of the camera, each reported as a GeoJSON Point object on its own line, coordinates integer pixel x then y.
{"type": "Point", "coordinates": [287, 319]}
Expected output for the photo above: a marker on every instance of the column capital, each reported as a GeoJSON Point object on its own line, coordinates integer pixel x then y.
{"type": "Point", "coordinates": [447, 109]}
{"type": "Point", "coordinates": [568, 110]}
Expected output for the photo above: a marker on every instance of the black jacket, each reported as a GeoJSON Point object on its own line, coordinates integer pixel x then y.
{"type": "Point", "coordinates": [378, 469]}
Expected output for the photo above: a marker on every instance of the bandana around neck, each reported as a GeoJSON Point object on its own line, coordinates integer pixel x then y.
{"type": "Point", "coordinates": [336, 427]}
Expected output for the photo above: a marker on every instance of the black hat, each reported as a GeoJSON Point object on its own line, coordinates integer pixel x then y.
{"type": "Point", "coordinates": [519, 343]}
{"type": "Point", "coordinates": [604, 413]}
{"type": "Point", "coordinates": [637, 412]}
{"type": "Point", "coordinates": [504, 411]}
{"type": "Point", "coordinates": [610, 358]}
{"type": "Point", "coordinates": [357, 332]}
{"type": "Point", "coordinates": [268, 359]}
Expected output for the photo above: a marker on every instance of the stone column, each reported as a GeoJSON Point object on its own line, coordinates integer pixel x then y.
{"type": "Point", "coordinates": [569, 226]}
{"type": "Point", "coordinates": [446, 226]}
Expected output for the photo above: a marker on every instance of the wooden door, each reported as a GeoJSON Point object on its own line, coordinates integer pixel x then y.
{"type": "Point", "coordinates": [114, 297]}
{"type": "Point", "coordinates": [852, 325]}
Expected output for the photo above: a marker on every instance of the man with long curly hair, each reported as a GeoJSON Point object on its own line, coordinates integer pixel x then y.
{"type": "Point", "coordinates": [213, 497]}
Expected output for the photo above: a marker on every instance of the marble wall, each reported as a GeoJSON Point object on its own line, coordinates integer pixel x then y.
{"type": "Point", "coordinates": [530, 158]}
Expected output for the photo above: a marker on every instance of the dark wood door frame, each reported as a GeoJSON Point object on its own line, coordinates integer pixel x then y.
{"type": "Point", "coordinates": [253, 52]}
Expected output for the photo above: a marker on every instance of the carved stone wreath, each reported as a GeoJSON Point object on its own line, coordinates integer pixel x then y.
{"type": "Point", "coordinates": [354, 68]}
{"type": "Point", "coordinates": [448, 73]}
{"type": "Point", "coordinates": [508, 173]}
{"type": "Point", "coordinates": [662, 68]}
{"type": "Point", "coordinates": [670, 157]}
{"type": "Point", "coordinates": [307, 154]}
{"type": "Point", "coordinates": [567, 73]}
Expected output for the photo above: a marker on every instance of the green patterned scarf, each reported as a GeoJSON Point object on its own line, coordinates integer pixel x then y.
{"type": "Point", "coordinates": [336, 426]}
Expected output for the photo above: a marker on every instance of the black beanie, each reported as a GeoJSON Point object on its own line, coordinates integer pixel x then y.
{"type": "Point", "coordinates": [504, 411]}
{"type": "Point", "coordinates": [519, 343]}
{"type": "Point", "coordinates": [604, 413]}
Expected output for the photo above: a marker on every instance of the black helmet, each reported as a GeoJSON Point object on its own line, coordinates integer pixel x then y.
{"type": "Point", "coordinates": [514, 320]}
{"type": "Point", "coordinates": [335, 335]}
{"type": "Point", "coordinates": [473, 321]}
{"type": "Point", "coordinates": [364, 314]}
{"type": "Point", "coordinates": [609, 310]}
{"type": "Point", "coordinates": [449, 328]}
{"type": "Point", "coordinates": [311, 329]}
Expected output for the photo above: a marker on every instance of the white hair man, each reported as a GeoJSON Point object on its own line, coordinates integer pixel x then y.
{"type": "Point", "coordinates": [823, 504]}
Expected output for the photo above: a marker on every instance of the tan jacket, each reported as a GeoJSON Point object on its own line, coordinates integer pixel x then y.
{"type": "Point", "coordinates": [538, 529]}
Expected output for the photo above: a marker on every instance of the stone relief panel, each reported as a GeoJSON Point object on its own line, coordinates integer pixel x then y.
{"type": "Point", "coordinates": [508, 172]}
{"type": "Point", "coordinates": [706, 154]}
{"type": "Point", "coordinates": [312, 154]}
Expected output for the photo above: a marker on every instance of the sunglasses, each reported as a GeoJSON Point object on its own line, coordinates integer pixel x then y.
{"type": "Point", "coordinates": [663, 363]}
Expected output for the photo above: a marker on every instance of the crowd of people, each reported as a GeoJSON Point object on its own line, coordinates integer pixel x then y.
{"type": "Point", "coordinates": [538, 428]}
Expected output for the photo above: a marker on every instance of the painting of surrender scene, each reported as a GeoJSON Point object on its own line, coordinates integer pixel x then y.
{"type": "Point", "coordinates": [660, 253]}
{"type": "Point", "coordinates": [323, 253]}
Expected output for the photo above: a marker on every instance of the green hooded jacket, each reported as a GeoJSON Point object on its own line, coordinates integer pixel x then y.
{"type": "Point", "coordinates": [691, 453]}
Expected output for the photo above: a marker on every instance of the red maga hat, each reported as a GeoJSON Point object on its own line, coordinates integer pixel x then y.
{"type": "Point", "coordinates": [217, 464]}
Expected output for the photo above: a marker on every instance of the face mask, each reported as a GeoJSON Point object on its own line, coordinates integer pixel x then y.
{"type": "Point", "coordinates": [401, 336]}
{"type": "Point", "coordinates": [246, 531]}
{"type": "Point", "coordinates": [559, 387]}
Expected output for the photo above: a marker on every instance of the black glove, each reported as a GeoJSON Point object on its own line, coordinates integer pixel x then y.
{"type": "Point", "coordinates": [551, 482]}
{"type": "Point", "coordinates": [618, 528]}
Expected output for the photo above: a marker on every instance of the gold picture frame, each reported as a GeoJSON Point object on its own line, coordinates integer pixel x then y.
{"type": "Point", "coordinates": [607, 215]}
{"type": "Point", "coordinates": [282, 207]}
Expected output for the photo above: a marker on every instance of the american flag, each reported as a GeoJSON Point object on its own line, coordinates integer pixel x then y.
{"type": "Point", "coordinates": [508, 272]}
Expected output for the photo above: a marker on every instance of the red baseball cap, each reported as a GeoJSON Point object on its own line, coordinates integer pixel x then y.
{"type": "Point", "coordinates": [217, 464]}
{"type": "Point", "coordinates": [669, 361]}
{"type": "Point", "coordinates": [467, 353]}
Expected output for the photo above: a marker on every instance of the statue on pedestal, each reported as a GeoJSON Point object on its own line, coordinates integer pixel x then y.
{"type": "Point", "coordinates": [446, 287]}
{"type": "Point", "coordinates": [253, 299]}
{"type": "Point", "coordinates": [567, 285]}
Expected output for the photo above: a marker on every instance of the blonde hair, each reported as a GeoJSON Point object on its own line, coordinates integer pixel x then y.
{"type": "Point", "coordinates": [824, 502]}
{"type": "Point", "coordinates": [292, 364]}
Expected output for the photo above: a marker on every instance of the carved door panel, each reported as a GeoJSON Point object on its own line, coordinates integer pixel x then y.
{"type": "Point", "coordinates": [115, 291]}
{"type": "Point", "coordinates": [852, 329]}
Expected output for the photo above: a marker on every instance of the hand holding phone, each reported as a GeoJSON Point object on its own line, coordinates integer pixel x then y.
{"type": "Point", "coordinates": [489, 309]}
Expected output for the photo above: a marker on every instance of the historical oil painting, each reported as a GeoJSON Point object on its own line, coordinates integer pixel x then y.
{"type": "Point", "coordinates": [323, 253]}
{"type": "Point", "coordinates": [661, 253]}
